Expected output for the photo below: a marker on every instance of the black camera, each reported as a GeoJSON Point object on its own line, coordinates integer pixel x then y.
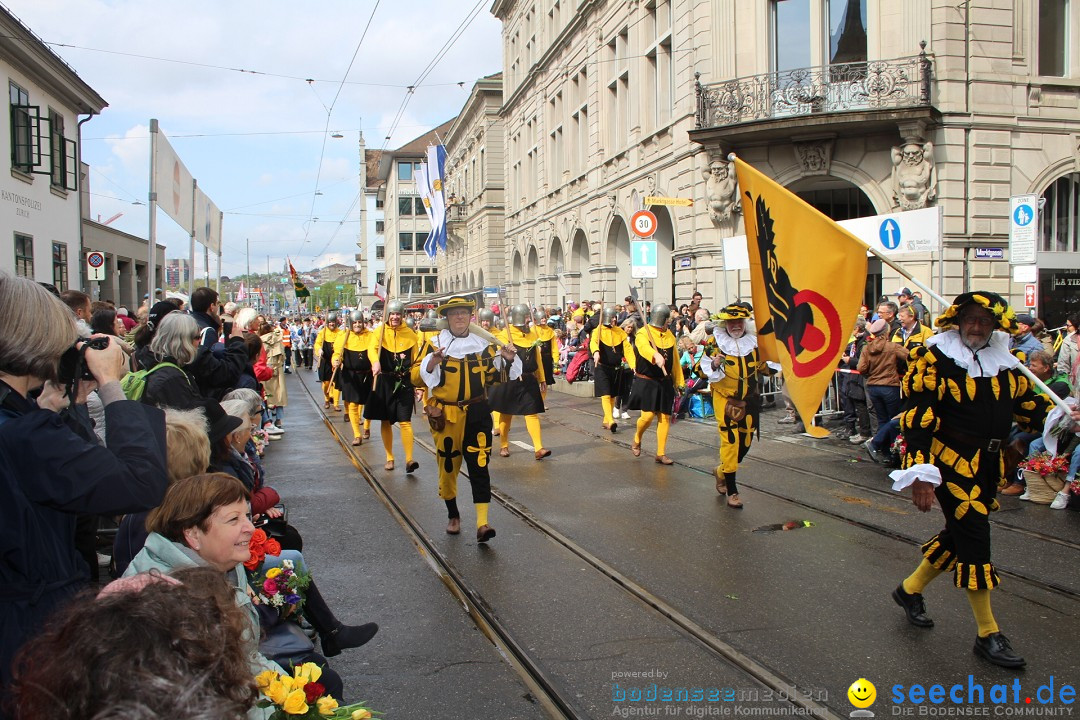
{"type": "Point", "coordinates": [72, 363]}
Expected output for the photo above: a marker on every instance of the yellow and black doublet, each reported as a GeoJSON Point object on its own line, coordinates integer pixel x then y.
{"type": "Point", "coordinates": [653, 390]}
{"type": "Point", "coordinates": [521, 396]}
{"type": "Point", "coordinates": [459, 386]}
{"type": "Point", "coordinates": [392, 397]}
{"type": "Point", "coordinates": [324, 350]}
{"type": "Point", "coordinates": [549, 350]}
{"type": "Point", "coordinates": [612, 372]}
{"type": "Point", "coordinates": [352, 350]}
{"type": "Point", "coordinates": [735, 382]}
{"type": "Point", "coordinates": [958, 421]}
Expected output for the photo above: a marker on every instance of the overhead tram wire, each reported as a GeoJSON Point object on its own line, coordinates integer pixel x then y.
{"type": "Point", "coordinates": [329, 114]}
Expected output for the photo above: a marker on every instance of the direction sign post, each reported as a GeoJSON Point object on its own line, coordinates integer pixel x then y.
{"type": "Point", "coordinates": [1023, 228]}
{"type": "Point", "coordinates": [643, 259]}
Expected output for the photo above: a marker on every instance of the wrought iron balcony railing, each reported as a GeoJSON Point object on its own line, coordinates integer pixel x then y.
{"type": "Point", "coordinates": [456, 213]}
{"type": "Point", "coordinates": [870, 85]}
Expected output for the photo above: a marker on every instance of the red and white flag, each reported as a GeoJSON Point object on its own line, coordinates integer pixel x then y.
{"type": "Point", "coordinates": [241, 294]}
{"type": "Point", "coordinates": [380, 292]}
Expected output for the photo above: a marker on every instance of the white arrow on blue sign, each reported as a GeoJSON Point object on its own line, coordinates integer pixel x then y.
{"type": "Point", "coordinates": [890, 234]}
{"type": "Point", "coordinates": [643, 259]}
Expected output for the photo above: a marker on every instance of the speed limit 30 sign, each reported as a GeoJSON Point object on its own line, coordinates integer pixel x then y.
{"type": "Point", "coordinates": [643, 223]}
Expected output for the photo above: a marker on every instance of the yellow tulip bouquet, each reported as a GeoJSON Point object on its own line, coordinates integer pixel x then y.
{"type": "Point", "coordinates": [299, 696]}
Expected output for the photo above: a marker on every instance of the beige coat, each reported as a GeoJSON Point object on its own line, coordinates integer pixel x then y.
{"type": "Point", "coordinates": [275, 360]}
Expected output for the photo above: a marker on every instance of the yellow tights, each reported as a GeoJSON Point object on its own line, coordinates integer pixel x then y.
{"type": "Point", "coordinates": [388, 439]}
{"type": "Point", "coordinates": [662, 428]}
{"type": "Point", "coordinates": [532, 425]}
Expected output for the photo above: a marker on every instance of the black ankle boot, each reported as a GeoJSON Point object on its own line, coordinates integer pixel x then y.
{"type": "Point", "coordinates": [344, 637]}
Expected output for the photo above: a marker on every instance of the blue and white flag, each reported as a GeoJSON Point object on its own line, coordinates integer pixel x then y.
{"type": "Point", "coordinates": [436, 156]}
{"type": "Point", "coordinates": [423, 186]}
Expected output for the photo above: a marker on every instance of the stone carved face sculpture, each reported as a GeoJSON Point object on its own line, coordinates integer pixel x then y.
{"type": "Point", "coordinates": [721, 191]}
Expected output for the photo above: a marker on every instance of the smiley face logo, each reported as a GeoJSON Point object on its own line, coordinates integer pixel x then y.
{"type": "Point", "coordinates": [862, 693]}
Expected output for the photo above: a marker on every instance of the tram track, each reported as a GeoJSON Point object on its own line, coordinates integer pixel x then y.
{"type": "Point", "coordinates": [877, 529]}
{"type": "Point", "coordinates": [554, 699]}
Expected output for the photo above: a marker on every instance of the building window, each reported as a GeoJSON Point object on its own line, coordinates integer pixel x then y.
{"type": "Point", "coordinates": [1053, 37]}
{"type": "Point", "coordinates": [618, 92]}
{"type": "Point", "coordinates": [839, 203]}
{"type": "Point", "coordinates": [418, 203]}
{"type": "Point", "coordinates": [658, 58]}
{"type": "Point", "coordinates": [405, 205]}
{"type": "Point", "coordinates": [405, 171]}
{"type": "Point", "coordinates": [60, 266]}
{"type": "Point", "coordinates": [22, 132]}
{"type": "Point", "coordinates": [24, 256]}
{"type": "Point", "coordinates": [431, 283]}
{"type": "Point", "coordinates": [380, 227]}
{"type": "Point", "coordinates": [57, 151]}
{"type": "Point", "coordinates": [847, 31]}
{"type": "Point", "coordinates": [405, 242]}
{"type": "Point", "coordinates": [1060, 216]}
{"type": "Point", "coordinates": [791, 34]}
{"type": "Point", "coordinates": [380, 252]}
{"type": "Point", "coordinates": [379, 203]}
{"type": "Point", "coordinates": [409, 284]}
{"type": "Point", "coordinates": [380, 278]}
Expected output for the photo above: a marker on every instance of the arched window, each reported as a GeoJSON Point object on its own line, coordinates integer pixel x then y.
{"type": "Point", "coordinates": [1060, 216]}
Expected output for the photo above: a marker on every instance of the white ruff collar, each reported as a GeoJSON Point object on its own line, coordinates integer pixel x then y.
{"type": "Point", "coordinates": [987, 362]}
{"type": "Point", "coordinates": [730, 346]}
{"type": "Point", "coordinates": [459, 347]}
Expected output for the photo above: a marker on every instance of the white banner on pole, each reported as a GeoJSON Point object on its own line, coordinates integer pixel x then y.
{"type": "Point", "coordinates": [173, 184]}
{"type": "Point", "coordinates": [207, 222]}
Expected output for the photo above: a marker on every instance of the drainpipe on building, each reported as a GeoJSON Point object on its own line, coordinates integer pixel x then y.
{"type": "Point", "coordinates": [82, 249]}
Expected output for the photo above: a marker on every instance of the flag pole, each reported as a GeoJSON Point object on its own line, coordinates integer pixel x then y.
{"type": "Point", "coordinates": [944, 303]}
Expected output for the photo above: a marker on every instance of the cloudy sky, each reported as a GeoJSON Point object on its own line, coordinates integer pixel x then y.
{"type": "Point", "coordinates": [259, 142]}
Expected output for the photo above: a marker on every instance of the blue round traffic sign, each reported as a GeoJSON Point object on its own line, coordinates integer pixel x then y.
{"type": "Point", "coordinates": [95, 259]}
{"type": "Point", "coordinates": [889, 232]}
{"type": "Point", "coordinates": [1023, 214]}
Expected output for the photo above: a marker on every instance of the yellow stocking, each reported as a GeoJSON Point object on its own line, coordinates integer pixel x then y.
{"type": "Point", "coordinates": [481, 514]}
{"type": "Point", "coordinates": [504, 430]}
{"type": "Point", "coordinates": [922, 576]}
{"type": "Point", "coordinates": [407, 440]}
{"type": "Point", "coordinates": [608, 402]}
{"type": "Point", "coordinates": [984, 616]}
{"type": "Point", "coordinates": [355, 411]}
{"type": "Point", "coordinates": [386, 430]}
{"type": "Point", "coordinates": [643, 424]}
{"type": "Point", "coordinates": [662, 429]}
{"type": "Point", "coordinates": [532, 424]}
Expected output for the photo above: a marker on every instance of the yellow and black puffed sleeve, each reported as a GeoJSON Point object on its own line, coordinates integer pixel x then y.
{"type": "Point", "coordinates": [1030, 408]}
{"type": "Point", "coordinates": [918, 420]}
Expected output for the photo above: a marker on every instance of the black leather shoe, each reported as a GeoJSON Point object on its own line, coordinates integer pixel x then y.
{"type": "Point", "coordinates": [411, 467]}
{"type": "Point", "coordinates": [995, 647]}
{"type": "Point", "coordinates": [484, 533]}
{"type": "Point", "coordinates": [345, 637]}
{"type": "Point", "coordinates": [914, 607]}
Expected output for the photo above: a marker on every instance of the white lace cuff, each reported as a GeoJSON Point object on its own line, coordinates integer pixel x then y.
{"type": "Point", "coordinates": [433, 378]}
{"type": "Point", "coordinates": [927, 473]}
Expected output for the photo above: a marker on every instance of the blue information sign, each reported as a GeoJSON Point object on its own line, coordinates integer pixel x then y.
{"type": "Point", "coordinates": [890, 234]}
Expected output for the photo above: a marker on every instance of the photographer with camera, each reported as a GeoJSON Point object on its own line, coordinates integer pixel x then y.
{"type": "Point", "coordinates": [49, 470]}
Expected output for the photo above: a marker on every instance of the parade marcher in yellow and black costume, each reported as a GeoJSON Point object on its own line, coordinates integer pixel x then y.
{"type": "Point", "coordinates": [549, 350]}
{"type": "Point", "coordinates": [351, 358]}
{"type": "Point", "coordinates": [521, 396]}
{"type": "Point", "coordinates": [324, 353]}
{"type": "Point", "coordinates": [612, 353]}
{"type": "Point", "coordinates": [963, 393]}
{"type": "Point", "coordinates": [394, 351]}
{"type": "Point", "coordinates": [657, 373]}
{"type": "Point", "coordinates": [734, 373]}
{"type": "Point", "coordinates": [457, 367]}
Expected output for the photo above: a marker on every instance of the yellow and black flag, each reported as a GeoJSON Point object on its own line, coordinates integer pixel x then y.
{"type": "Point", "coordinates": [301, 289]}
{"type": "Point", "coordinates": [808, 275]}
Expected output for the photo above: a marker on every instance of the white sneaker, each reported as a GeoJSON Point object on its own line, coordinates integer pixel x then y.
{"type": "Point", "coordinates": [625, 415]}
{"type": "Point", "coordinates": [272, 431]}
{"type": "Point", "coordinates": [1025, 496]}
{"type": "Point", "coordinates": [1061, 501]}
{"type": "Point", "coordinates": [857, 439]}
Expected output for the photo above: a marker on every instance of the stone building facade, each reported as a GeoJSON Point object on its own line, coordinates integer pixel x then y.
{"type": "Point", "coordinates": [475, 188]}
{"type": "Point", "coordinates": [862, 107]}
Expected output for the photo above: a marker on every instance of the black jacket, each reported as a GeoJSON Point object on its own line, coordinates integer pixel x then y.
{"type": "Point", "coordinates": [172, 387]}
{"type": "Point", "coordinates": [215, 375]}
{"type": "Point", "coordinates": [207, 327]}
{"type": "Point", "coordinates": [48, 474]}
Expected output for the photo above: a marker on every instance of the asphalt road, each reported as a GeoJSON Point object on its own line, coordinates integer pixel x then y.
{"type": "Point", "coordinates": [615, 573]}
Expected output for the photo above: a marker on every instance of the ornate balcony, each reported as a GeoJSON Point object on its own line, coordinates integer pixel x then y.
{"type": "Point", "coordinates": [826, 95]}
{"type": "Point", "coordinates": [456, 215]}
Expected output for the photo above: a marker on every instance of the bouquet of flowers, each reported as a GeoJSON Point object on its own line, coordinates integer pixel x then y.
{"type": "Point", "coordinates": [299, 696]}
{"type": "Point", "coordinates": [1046, 464]}
{"type": "Point", "coordinates": [258, 437]}
{"type": "Point", "coordinates": [260, 546]}
{"type": "Point", "coordinates": [282, 587]}
{"type": "Point", "coordinates": [899, 446]}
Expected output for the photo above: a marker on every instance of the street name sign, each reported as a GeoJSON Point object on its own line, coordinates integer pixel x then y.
{"type": "Point", "coordinates": [657, 200]}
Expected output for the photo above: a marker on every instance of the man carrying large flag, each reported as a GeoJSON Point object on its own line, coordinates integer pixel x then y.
{"type": "Point", "coordinates": [807, 275]}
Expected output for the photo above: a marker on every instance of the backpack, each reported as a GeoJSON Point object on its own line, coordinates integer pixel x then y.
{"type": "Point", "coordinates": [134, 383]}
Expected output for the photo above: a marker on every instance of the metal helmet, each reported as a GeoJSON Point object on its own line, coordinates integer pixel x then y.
{"type": "Point", "coordinates": [333, 317]}
{"type": "Point", "coordinates": [519, 315]}
{"type": "Point", "coordinates": [395, 306]}
{"type": "Point", "coordinates": [661, 313]}
{"type": "Point", "coordinates": [539, 317]}
{"type": "Point", "coordinates": [485, 315]}
{"type": "Point", "coordinates": [411, 322]}
{"type": "Point", "coordinates": [356, 316]}
{"type": "Point", "coordinates": [432, 313]}
{"type": "Point", "coordinates": [610, 315]}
